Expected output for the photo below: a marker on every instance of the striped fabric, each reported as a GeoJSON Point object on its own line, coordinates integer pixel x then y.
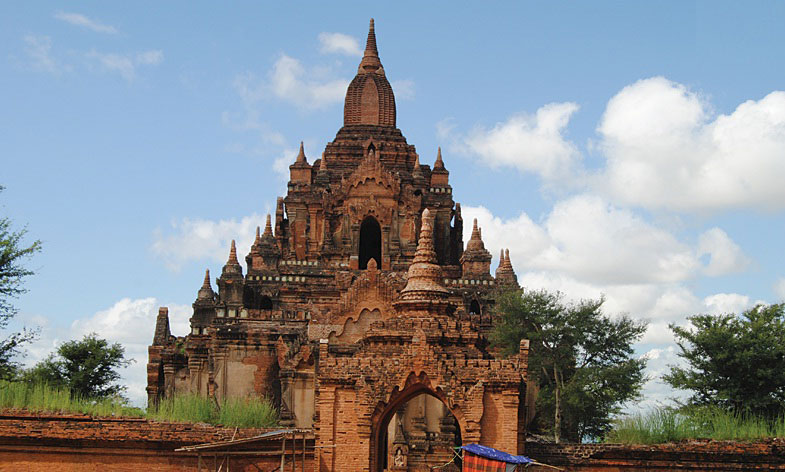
{"type": "Point", "coordinates": [474, 463]}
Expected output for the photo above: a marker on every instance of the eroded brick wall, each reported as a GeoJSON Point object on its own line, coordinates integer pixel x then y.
{"type": "Point", "coordinates": [768, 455]}
{"type": "Point", "coordinates": [65, 443]}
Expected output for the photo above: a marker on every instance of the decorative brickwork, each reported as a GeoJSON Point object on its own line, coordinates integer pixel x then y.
{"type": "Point", "coordinates": [358, 299]}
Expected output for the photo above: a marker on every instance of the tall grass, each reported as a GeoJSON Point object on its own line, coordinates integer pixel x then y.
{"type": "Point", "coordinates": [663, 425]}
{"type": "Point", "coordinates": [43, 398]}
{"type": "Point", "coordinates": [240, 412]}
{"type": "Point", "coordinates": [186, 408]}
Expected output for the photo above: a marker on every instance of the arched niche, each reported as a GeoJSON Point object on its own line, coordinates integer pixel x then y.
{"type": "Point", "coordinates": [370, 242]}
{"type": "Point", "coordinates": [474, 308]}
{"type": "Point", "coordinates": [384, 414]}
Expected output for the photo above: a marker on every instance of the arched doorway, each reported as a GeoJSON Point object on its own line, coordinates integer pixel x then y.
{"type": "Point", "coordinates": [417, 431]}
{"type": "Point", "coordinates": [474, 307]}
{"type": "Point", "coordinates": [370, 242]}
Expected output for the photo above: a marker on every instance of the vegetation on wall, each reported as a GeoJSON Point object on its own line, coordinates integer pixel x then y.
{"type": "Point", "coordinates": [238, 412]}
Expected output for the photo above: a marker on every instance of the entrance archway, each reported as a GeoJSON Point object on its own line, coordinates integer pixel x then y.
{"type": "Point", "coordinates": [370, 242]}
{"type": "Point", "coordinates": [416, 429]}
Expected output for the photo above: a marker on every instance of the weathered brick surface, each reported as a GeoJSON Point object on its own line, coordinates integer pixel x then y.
{"type": "Point", "coordinates": [33, 442]}
{"type": "Point", "coordinates": [682, 456]}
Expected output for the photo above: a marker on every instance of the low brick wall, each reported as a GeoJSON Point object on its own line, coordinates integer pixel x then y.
{"type": "Point", "coordinates": [66, 443]}
{"type": "Point", "coordinates": [703, 455]}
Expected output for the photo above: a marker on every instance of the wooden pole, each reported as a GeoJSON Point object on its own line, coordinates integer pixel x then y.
{"type": "Point", "coordinates": [283, 454]}
{"type": "Point", "coordinates": [294, 450]}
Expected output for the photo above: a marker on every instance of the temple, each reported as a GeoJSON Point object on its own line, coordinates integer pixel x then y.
{"type": "Point", "coordinates": [360, 312]}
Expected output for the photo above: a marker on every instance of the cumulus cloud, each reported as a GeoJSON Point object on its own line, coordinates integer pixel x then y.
{"type": "Point", "coordinates": [339, 43]}
{"type": "Point", "coordinates": [666, 150]}
{"type": "Point", "coordinates": [290, 81]}
{"type": "Point", "coordinates": [191, 240]}
{"type": "Point", "coordinates": [529, 143]}
{"type": "Point", "coordinates": [590, 239]}
{"type": "Point", "coordinates": [725, 256]}
{"type": "Point", "coordinates": [125, 64]}
{"type": "Point", "coordinates": [80, 20]}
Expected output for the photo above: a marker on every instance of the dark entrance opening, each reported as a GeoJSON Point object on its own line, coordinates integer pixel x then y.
{"type": "Point", "coordinates": [426, 421]}
{"type": "Point", "coordinates": [370, 242]}
{"type": "Point", "coordinates": [265, 303]}
{"type": "Point", "coordinates": [474, 308]}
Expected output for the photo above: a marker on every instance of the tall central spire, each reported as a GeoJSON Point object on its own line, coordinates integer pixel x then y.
{"type": "Point", "coordinates": [369, 98]}
{"type": "Point", "coordinates": [371, 62]}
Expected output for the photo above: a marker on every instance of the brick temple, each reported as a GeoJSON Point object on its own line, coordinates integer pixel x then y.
{"type": "Point", "coordinates": [361, 314]}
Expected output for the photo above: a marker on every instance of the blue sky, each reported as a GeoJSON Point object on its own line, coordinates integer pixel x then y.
{"type": "Point", "coordinates": [620, 148]}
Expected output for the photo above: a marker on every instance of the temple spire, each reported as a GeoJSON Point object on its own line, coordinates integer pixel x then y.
{"type": "Point", "coordinates": [439, 164]}
{"type": "Point", "coordinates": [206, 292]}
{"type": "Point", "coordinates": [232, 254]}
{"type": "Point", "coordinates": [371, 62]}
{"type": "Point", "coordinates": [301, 156]}
{"type": "Point", "coordinates": [258, 237]}
{"type": "Point", "coordinates": [370, 43]}
{"type": "Point", "coordinates": [423, 281]}
{"type": "Point", "coordinates": [268, 227]}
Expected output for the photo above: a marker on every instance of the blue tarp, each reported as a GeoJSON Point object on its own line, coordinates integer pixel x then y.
{"type": "Point", "coordinates": [491, 453]}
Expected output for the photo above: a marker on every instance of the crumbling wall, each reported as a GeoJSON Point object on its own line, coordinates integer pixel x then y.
{"type": "Point", "coordinates": [77, 443]}
{"type": "Point", "coordinates": [703, 455]}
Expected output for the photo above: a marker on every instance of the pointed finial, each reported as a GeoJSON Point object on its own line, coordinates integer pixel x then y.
{"type": "Point", "coordinates": [323, 164]}
{"type": "Point", "coordinates": [370, 43]}
{"type": "Point", "coordinates": [258, 236]}
{"type": "Point", "coordinates": [370, 61]}
{"type": "Point", "coordinates": [457, 210]}
{"type": "Point", "coordinates": [501, 258]}
{"type": "Point", "coordinates": [206, 292]}
{"type": "Point", "coordinates": [439, 164]}
{"type": "Point", "coordinates": [301, 156]}
{"type": "Point", "coordinates": [507, 262]}
{"type": "Point", "coordinates": [268, 227]}
{"type": "Point", "coordinates": [233, 254]}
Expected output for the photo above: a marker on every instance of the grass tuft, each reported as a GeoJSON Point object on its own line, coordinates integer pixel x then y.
{"type": "Point", "coordinates": [186, 408]}
{"type": "Point", "coordinates": [663, 425]}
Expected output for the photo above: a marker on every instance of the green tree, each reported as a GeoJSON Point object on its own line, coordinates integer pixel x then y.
{"type": "Point", "coordinates": [12, 273]}
{"type": "Point", "coordinates": [87, 368]}
{"type": "Point", "coordinates": [582, 359]}
{"type": "Point", "coordinates": [734, 362]}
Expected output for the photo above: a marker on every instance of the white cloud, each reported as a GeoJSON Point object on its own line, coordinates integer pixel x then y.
{"type": "Point", "coordinates": [130, 322]}
{"type": "Point", "coordinates": [530, 143]}
{"type": "Point", "coordinates": [589, 239]}
{"type": "Point", "coordinates": [200, 240]}
{"type": "Point", "coordinates": [39, 50]}
{"type": "Point", "coordinates": [723, 303]}
{"type": "Point", "coordinates": [664, 149]}
{"type": "Point", "coordinates": [725, 256]}
{"type": "Point", "coordinates": [403, 89]}
{"type": "Point", "coordinates": [779, 289]}
{"type": "Point", "coordinates": [339, 43]}
{"type": "Point", "coordinates": [77, 19]}
{"type": "Point", "coordinates": [126, 64]}
{"type": "Point", "coordinates": [290, 81]}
